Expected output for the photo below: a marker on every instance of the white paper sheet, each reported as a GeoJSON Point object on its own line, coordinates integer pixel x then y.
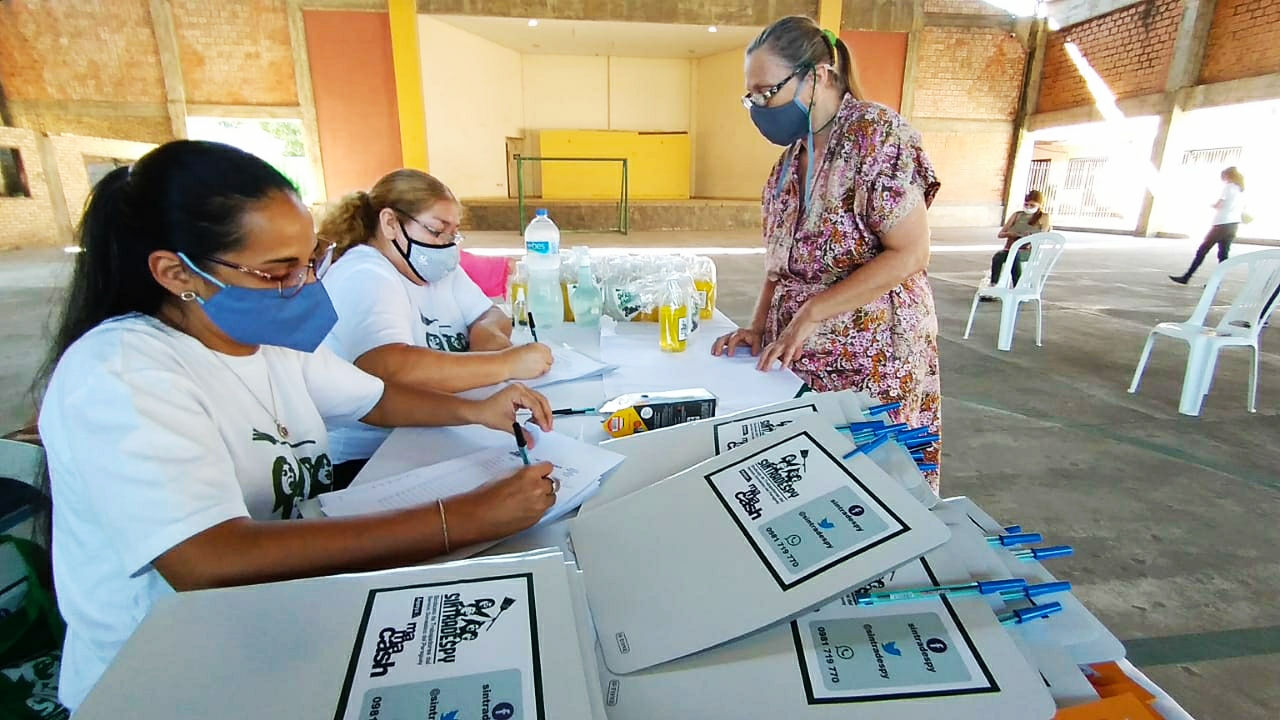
{"type": "Point", "coordinates": [733, 380]}
{"type": "Point", "coordinates": [578, 467]}
{"type": "Point", "coordinates": [569, 364]}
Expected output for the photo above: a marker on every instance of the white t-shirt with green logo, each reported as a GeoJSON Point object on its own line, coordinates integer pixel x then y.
{"type": "Point", "coordinates": [377, 306]}
{"type": "Point", "coordinates": [153, 438]}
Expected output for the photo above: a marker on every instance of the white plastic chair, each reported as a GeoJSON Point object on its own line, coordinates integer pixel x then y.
{"type": "Point", "coordinates": [1046, 250]}
{"type": "Point", "coordinates": [1239, 327]}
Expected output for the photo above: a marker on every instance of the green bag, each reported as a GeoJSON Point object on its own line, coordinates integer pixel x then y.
{"type": "Point", "coordinates": [31, 640]}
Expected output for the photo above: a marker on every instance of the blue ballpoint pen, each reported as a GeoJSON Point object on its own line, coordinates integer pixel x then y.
{"type": "Point", "coordinates": [1013, 529]}
{"type": "Point", "coordinates": [1044, 553]}
{"type": "Point", "coordinates": [1017, 617]}
{"type": "Point", "coordinates": [926, 467]}
{"type": "Point", "coordinates": [967, 589]}
{"type": "Point", "coordinates": [1035, 591]}
{"type": "Point", "coordinates": [869, 447]}
{"type": "Point", "coordinates": [862, 426]}
{"type": "Point", "coordinates": [881, 409]}
{"type": "Point", "coordinates": [521, 442]}
{"type": "Point", "coordinates": [906, 435]}
{"type": "Point", "coordinates": [1015, 539]}
{"type": "Point", "coordinates": [921, 441]}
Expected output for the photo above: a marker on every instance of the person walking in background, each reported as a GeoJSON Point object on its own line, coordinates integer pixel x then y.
{"type": "Point", "coordinates": [1229, 210]}
{"type": "Point", "coordinates": [1031, 219]}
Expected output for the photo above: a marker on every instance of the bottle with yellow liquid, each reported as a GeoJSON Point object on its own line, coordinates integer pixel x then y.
{"type": "Point", "coordinates": [518, 294]}
{"type": "Point", "coordinates": [704, 279]}
{"type": "Point", "coordinates": [673, 318]}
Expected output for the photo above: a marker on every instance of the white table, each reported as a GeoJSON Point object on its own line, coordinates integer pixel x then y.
{"type": "Point", "coordinates": [643, 367]}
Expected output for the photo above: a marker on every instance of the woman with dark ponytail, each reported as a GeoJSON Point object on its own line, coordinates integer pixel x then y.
{"type": "Point", "coordinates": [846, 302]}
{"type": "Point", "coordinates": [186, 401]}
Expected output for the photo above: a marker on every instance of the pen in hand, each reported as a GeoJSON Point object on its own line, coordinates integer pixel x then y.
{"type": "Point", "coordinates": [521, 442]}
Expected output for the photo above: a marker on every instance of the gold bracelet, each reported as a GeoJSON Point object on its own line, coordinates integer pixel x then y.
{"type": "Point", "coordinates": [444, 527]}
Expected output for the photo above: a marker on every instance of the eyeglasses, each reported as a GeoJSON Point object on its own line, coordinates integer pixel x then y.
{"type": "Point", "coordinates": [291, 282]}
{"type": "Point", "coordinates": [450, 239]}
{"type": "Point", "coordinates": [761, 99]}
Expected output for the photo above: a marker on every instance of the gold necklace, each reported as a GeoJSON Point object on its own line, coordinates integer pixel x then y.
{"type": "Point", "coordinates": [275, 415]}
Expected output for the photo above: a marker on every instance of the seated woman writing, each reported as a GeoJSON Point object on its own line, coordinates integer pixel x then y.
{"type": "Point", "coordinates": [406, 312]}
{"type": "Point", "coordinates": [184, 416]}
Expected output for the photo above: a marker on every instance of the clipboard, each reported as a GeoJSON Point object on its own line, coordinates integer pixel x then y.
{"type": "Point", "coordinates": [759, 534]}
{"type": "Point", "coordinates": [909, 661]}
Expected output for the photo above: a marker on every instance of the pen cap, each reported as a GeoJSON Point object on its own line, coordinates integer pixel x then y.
{"type": "Point", "coordinates": [1050, 588]}
{"type": "Point", "coordinates": [1020, 539]}
{"type": "Point", "coordinates": [991, 587]}
{"type": "Point", "coordinates": [1052, 552]}
{"type": "Point", "coordinates": [1038, 611]}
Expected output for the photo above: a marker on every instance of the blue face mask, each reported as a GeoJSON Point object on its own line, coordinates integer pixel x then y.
{"type": "Point", "coordinates": [785, 124]}
{"type": "Point", "coordinates": [262, 316]}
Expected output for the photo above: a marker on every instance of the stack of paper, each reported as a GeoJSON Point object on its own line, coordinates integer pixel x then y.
{"type": "Point", "coordinates": [494, 638]}
{"type": "Point", "coordinates": [578, 466]}
{"type": "Point", "coordinates": [569, 364]}
{"type": "Point", "coordinates": [762, 532]}
{"type": "Point", "coordinates": [935, 658]}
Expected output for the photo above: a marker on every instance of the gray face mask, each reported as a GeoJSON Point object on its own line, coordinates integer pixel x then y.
{"type": "Point", "coordinates": [431, 263]}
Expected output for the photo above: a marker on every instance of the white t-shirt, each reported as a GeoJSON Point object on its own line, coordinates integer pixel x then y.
{"type": "Point", "coordinates": [377, 306]}
{"type": "Point", "coordinates": [1232, 208]}
{"type": "Point", "coordinates": [153, 438]}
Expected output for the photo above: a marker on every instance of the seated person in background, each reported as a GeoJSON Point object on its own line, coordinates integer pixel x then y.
{"type": "Point", "coordinates": [184, 417]}
{"type": "Point", "coordinates": [1025, 222]}
{"type": "Point", "coordinates": [406, 313]}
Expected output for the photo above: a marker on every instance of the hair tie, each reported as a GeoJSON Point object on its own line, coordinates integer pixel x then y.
{"type": "Point", "coordinates": [831, 38]}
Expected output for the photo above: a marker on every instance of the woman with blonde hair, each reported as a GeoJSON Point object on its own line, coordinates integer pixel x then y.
{"type": "Point", "coordinates": [846, 302]}
{"type": "Point", "coordinates": [406, 313]}
{"type": "Point", "coordinates": [1228, 212]}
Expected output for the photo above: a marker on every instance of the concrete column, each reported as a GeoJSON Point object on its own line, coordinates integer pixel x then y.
{"type": "Point", "coordinates": [306, 94]}
{"type": "Point", "coordinates": [175, 89]}
{"type": "Point", "coordinates": [57, 196]}
{"type": "Point", "coordinates": [1184, 72]}
{"type": "Point", "coordinates": [1022, 148]}
{"type": "Point", "coordinates": [913, 58]}
{"type": "Point", "coordinates": [403, 16]}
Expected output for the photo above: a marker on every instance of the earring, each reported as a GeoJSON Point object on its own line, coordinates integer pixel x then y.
{"type": "Point", "coordinates": [187, 296]}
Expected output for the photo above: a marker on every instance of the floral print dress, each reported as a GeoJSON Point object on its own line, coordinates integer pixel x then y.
{"type": "Point", "coordinates": [872, 174]}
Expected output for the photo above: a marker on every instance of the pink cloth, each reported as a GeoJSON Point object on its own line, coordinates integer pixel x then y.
{"type": "Point", "coordinates": [490, 273]}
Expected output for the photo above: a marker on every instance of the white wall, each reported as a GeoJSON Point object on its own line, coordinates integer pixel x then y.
{"type": "Point", "coordinates": [649, 94]}
{"type": "Point", "coordinates": [566, 92]}
{"type": "Point", "coordinates": [731, 159]}
{"type": "Point", "coordinates": [474, 101]}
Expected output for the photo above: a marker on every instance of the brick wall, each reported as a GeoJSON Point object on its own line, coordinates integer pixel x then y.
{"type": "Point", "coordinates": [961, 7]}
{"type": "Point", "coordinates": [968, 73]}
{"type": "Point", "coordinates": [236, 52]}
{"type": "Point", "coordinates": [56, 57]}
{"type": "Point", "coordinates": [1244, 40]}
{"type": "Point", "coordinates": [27, 221]}
{"type": "Point", "coordinates": [1130, 48]}
{"type": "Point", "coordinates": [69, 153]}
{"type": "Point", "coordinates": [968, 83]}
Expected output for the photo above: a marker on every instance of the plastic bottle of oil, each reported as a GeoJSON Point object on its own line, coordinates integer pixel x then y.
{"type": "Point", "coordinates": [704, 279]}
{"type": "Point", "coordinates": [518, 294]}
{"type": "Point", "coordinates": [673, 318]}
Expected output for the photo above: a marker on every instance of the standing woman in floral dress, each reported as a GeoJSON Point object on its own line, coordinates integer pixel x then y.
{"type": "Point", "coordinates": [847, 302]}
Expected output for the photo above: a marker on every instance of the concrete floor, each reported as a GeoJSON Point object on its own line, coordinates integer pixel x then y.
{"type": "Point", "coordinates": [1173, 518]}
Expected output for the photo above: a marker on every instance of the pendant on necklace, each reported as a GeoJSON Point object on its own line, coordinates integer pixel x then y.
{"type": "Point", "coordinates": [284, 431]}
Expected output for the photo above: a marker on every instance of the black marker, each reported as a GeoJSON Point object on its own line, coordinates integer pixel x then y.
{"type": "Point", "coordinates": [533, 328]}
{"type": "Point", "coordinates": [521, 442]}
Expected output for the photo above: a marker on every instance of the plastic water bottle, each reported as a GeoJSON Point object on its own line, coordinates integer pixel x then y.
{"type": "Point", "coordinates": [542, 258]}
{"type": "Point", "coordinates": [586, 299]}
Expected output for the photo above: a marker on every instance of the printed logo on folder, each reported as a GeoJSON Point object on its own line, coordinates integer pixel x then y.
{"type": "Point", "coordinates": [730, 434]}
{"type": "Point", "coordinates": [801, 509]}
{"type": "Point", "coordinates": [447, 651]}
